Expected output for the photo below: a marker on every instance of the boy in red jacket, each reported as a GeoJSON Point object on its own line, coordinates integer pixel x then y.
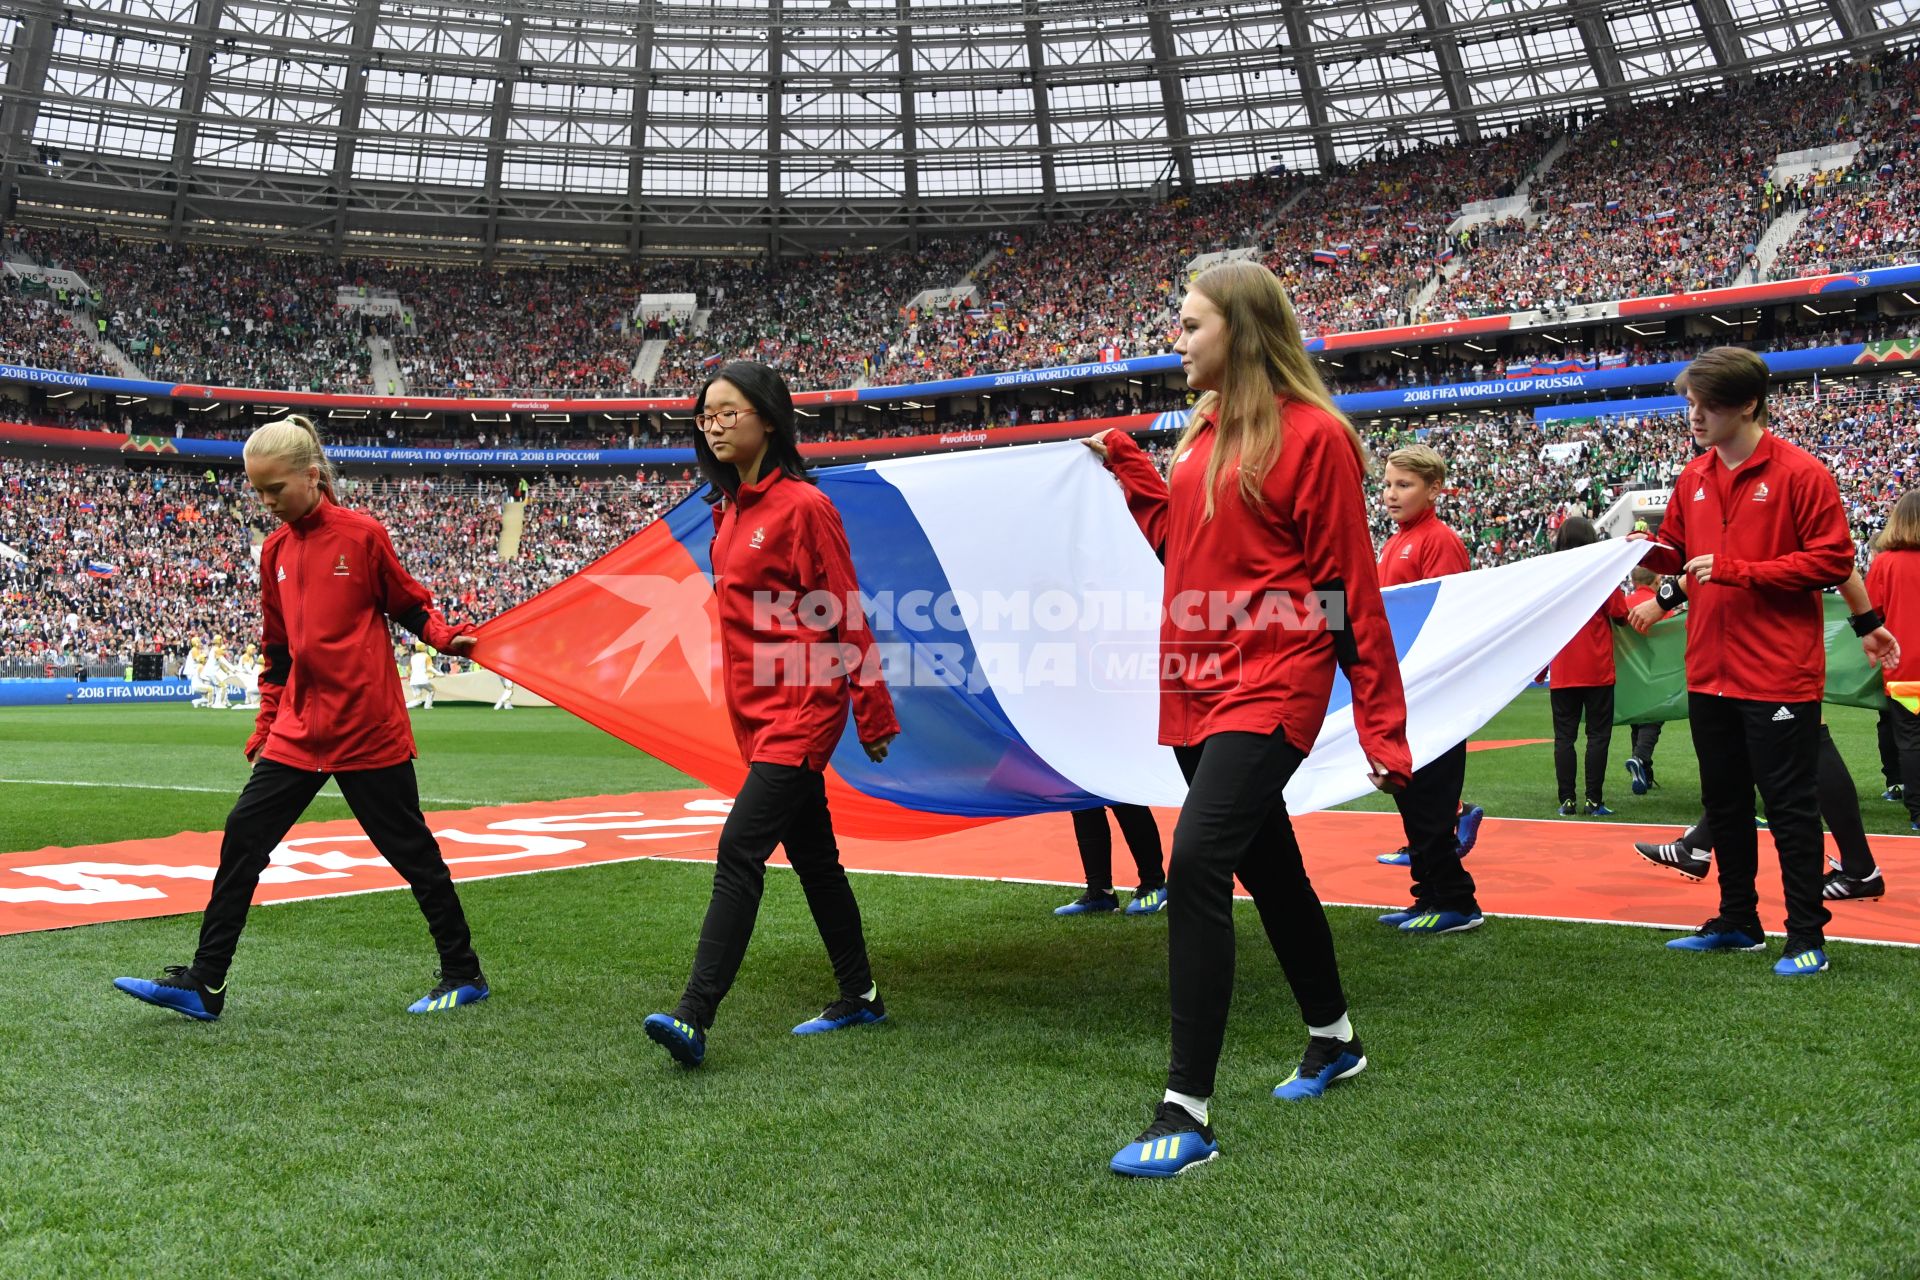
{"type": "Point", "coordinates": [1439, 830]}
{"type": "Point", "coordinates": [1757, 525]}
{"type": "Point", "coordinates": [330, 706]}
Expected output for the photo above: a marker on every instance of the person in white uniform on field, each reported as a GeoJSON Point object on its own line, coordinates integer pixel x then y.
{"type": "Point", "coordinates": [420, 679]}
{"type": "Point", "coordinates": [247, 672]}
{"type": "Point", "coordinates": [193, 671]}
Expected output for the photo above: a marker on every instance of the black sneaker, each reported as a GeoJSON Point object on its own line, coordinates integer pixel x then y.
{"type": "Point", "coordinates": [1838, 885]}
{"type": "Point", "coordinates": [1568, 809]}
{"type": "Point", "coordinates": [1677, 856]}
{"type": "Point", "coordinates": [177, 989]}
{"type": "Point", "coordinates": [1173, 1143]}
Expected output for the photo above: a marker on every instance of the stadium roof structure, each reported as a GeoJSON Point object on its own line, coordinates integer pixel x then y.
{"type": "Point", "coordinates": [500, 127]}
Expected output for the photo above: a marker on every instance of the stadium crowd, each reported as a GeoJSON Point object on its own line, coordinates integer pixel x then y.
{"type": "Point", "coordinates": [1651, 198]}
{"type": "Point", "coordinates": [1868, 214]}
{"type": "Point", "coordinates": [119, 558]}
{"type": "Point", "coordinates": [1647, 198]}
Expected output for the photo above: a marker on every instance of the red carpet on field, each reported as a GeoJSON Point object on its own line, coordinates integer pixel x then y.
{"type": "Point", "coordinates": [1560, 869]}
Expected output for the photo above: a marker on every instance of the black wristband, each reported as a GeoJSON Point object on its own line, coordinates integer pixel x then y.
{"type": "Point", "coordinates": [1865, 624]}
{"type": "Point", "coordinates": [1670, 594]}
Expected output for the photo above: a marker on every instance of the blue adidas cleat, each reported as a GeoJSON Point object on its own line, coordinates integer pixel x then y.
{"type": "Point", "coordinates": [1595, 809]}
{"type": "Point", "coordinates": [684, 1041]}
{"type": "Point", "coordinates": [1802, 960]}
{"type": "Point", "coordinates": [1089, 903]}
{"type": "Point", "coordinates": [178, 991]}
{"type": "Point", "coordinates": [1637, 776]}
{"type": "Point", "coordinates": [1466, 829]}
{"type": "Point", "coordinates": [1443, 922]}
{"type": "Point", "coordinates": [1894, 794]}
{"type": "Point", "coordinates": [451, 993]}
{"type": "Point", "coordinates": [1327, 1060]}
{"type": "Point", "coordinates": [1398, 858]}
{"type": "Point", "coordinates": [847, 1011]}
{"type": "Point", "coordinates": [1720, 935]}
{"type": "Point", "coordinates": [1146, 904]}
{"type": "Point", "coordinates": [1174, 1143]}
{"type": "Point", "coordinates": [1400, 917]}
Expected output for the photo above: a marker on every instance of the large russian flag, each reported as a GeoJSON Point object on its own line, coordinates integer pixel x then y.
{"type": "Point", "coordinates": [1017, 604]}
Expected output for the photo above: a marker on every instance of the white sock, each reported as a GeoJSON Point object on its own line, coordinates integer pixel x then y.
{"type": "Point", "coordinates": [1340, 1028]}
{"type": "Point", "coordinates": [1196, 1107]}
{"type": "Point", "coordinates": [872, 992]}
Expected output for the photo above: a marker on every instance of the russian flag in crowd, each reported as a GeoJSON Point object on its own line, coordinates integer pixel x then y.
{"type": "Point", "coordinates": [1343, 248]}
{"type": "Point", "coordinates": [1027, 710]}
{"type": "Point", "coordinates": [1611, 205]}
{"type": "Point", "coordinates": [712, 360]}
{"type": "Point", "coordinates": [1325, 256]}
{"type": "Point", "coordinates": [1664, 215]}
{"type": "Point", "coordinates": [1445, 254]}
{"type": "Point", "coordinates": [1540, 367]}
{"type": "Point", "coordinates": [100, 569]}
{"type": "Point", "coordinates": [1618, 361]}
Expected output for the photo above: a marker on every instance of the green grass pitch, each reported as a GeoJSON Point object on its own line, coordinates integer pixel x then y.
{"type": "Point", "coordinates": [1543, 1100]}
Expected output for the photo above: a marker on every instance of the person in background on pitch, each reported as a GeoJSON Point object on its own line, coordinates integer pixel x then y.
{"type": "Point", "coordinates": [1856, 875]}
{"type": "Point", "coordinates": [1896, 792]}
{"type": "Point", "coordinates": [1643, 594]}
{"type": "Point", "coordinates": [788, 686]}
{"type": "Point", "coordinates": [1095, 838]}
{"type": "Point", "coordinates": [1893, 594]}
{"type": "Point", "coordinates": [420, 678]}
{"type": "Point", "coordinates": [1581, 681]}
{"type": "Point", "coordinates": [1758, 526]}
{"type": "Point", "coordinates": [1439, 829]}
{"type": "Point", "coordinates": [330, 706]}
{"type": "Point", "coordinates": [1266, 504]}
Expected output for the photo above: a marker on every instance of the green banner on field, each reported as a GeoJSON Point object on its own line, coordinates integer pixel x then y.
{"type": "Point", "coordinates": [1650, 671]}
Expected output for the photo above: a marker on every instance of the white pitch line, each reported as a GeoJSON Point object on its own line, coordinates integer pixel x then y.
{"type": "Point", "coordinates": [333, 794]}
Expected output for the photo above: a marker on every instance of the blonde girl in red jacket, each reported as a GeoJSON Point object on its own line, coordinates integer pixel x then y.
{"type": "Point", "coordinates": [331, 706]}
{"type": "Point", "coordinates": [1266, 506]}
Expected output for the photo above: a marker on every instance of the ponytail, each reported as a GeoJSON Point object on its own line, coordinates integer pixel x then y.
{"type": "Point", "coordinates": [295, 440]}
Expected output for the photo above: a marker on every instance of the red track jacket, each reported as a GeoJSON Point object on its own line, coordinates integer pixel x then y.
{"type": "Point", "coordinates": [1425, 547]}
{"type": "Point", "coordinates": [1893, 587]}
{"type": "Point", "coordinates": [330, 696]}
{"type": "Point", "coordinates": [1311, 536]}
{"type": "Point", "coordinates": [1778, 535]}
{"type": "Point", "coordinates": [1588, 658]}
{"type": "Point", "coordinates": [781, 538]}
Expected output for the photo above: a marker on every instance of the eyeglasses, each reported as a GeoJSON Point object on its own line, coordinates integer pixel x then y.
{"type": "Point", "coordinates": [725, 418]}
